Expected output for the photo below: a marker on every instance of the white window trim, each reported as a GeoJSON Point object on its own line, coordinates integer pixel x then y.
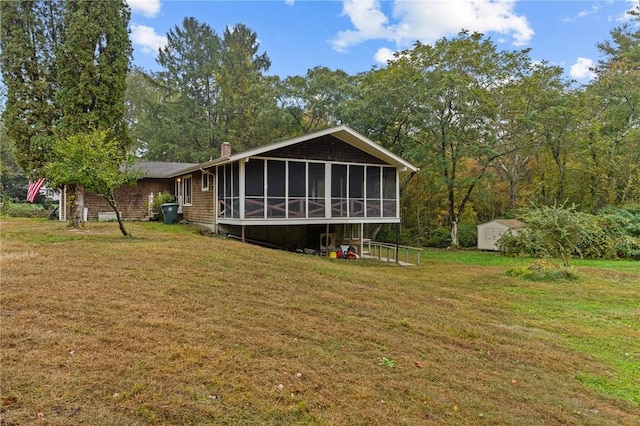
{"type": "Point", "coordinates": [208, 175]}
{"type": "Point", "coordinates": [184, 193]}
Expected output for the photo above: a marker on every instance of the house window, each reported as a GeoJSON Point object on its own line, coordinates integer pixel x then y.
{"type": "Point", "coordinates": [205, 181]}
{"type": "Point", "coordinates": [186, 190]}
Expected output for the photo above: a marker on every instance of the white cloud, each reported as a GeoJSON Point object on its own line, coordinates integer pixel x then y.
{"type": "Point", "coordinates": [369, 23]}
{"type": "Point", "coordinates": [581, 70]}
{"type": "Point", "coordinates": [384, 55]}
{"type": "Point", "coordinates": [289, 2]}
{"type": "Point", "coordinates": [428, 21]}
{"type": "Point", "coordinates": [148, 8]}
{"type": "Point", "coordinates": [147, 39]}
{"type": "Point", "coordinates": [626, 16]}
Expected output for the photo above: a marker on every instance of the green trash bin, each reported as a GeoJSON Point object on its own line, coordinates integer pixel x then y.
{"type": "Point", "coordinates": [169, 213]}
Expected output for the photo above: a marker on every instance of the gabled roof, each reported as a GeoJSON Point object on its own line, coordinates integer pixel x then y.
{"type": "Point", "coordinates": [160, 169]}
{"type": "Point", "coordinates": [509, 223]}
{"type": "Point", "coordinates": [344, 133]}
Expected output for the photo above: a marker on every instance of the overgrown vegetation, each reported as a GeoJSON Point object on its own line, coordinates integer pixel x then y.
{"type": "Point", "coordinates": [188, 329]}
{"type": "Point", "coordinates": [565, 233]}
{"type": "Point", "coordinates": [543, 270]}
{"type": "Point", "coordinates": [160, 199]}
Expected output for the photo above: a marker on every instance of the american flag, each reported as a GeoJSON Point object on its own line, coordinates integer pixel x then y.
{"type": "Point", "coordinates": [34, 189]}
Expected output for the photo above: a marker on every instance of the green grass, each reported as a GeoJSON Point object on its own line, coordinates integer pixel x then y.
{"type": "Point", "coordinates": [173, 327]}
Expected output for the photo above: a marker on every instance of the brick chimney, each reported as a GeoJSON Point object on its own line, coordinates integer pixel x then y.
{"type": "Point", "coordinates": [225, 149]}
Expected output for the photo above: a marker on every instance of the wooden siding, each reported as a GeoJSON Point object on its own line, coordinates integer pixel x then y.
{"type": "Point", "coordinates": [325, 148]}
{"type": "Point", "coordinates": [201, 209]}
{"type": "Point", "coordinates": [133, 201]}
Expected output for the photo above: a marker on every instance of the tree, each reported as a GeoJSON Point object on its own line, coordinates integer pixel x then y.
{"type": "Point", "coordinates": [185, 122]}
{"type": "Point", "coordinates": [455, 121]}
{"type": "Point", "coordinates": [211, 91]}
{"type": "Point", "coordinates": [30, 31]}
{"type": "Point", "coordinates": [12, 181]}
{"type": "Point", "coordinates": [93, 63]}
{"type": "Point", "coordinates": [315, 100]}
{"type": "Point", "coordinates": [611, 149]}
{"type": "Point", "coordinates": [93, 161]}
{"type": "Point", "coordinates": [561, 230]}
{"type": "Point", "coordinates": [242, 87]}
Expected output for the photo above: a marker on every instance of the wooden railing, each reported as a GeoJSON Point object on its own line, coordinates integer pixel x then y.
{"type": "Point", "coordinates": [390, 252]}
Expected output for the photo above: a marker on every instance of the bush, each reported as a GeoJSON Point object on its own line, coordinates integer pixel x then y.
{"type": "Point", "coordinates": [160, 199]}
{"type": "Point", "coordinates": [543, 270]}
{"type": "Point", "coordinates": [23, 210]}
{"type": "Point", "coordinates": [525, 243]}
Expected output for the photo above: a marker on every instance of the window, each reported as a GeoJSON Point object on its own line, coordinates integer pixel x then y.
{"type": "Point", "coordinates": [205, 180]}
{"type": "Point", "coordinates": [186, 190]}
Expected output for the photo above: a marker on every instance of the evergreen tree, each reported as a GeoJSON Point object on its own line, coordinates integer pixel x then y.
{"type": "Point", "coordinates": [93, 63]}
{"type": "Point", "coordinates": [29, 33]}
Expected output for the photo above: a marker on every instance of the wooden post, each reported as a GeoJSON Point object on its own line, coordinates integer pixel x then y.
{"type": "Point", "coordinates": [397, 242]}
{"type": "Point", "coordinates": [243, 234]}
{"type": "Point", "coordinates": [326, 232]}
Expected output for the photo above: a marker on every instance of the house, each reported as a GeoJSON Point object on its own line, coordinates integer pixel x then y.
{"type": "Point", "coordinates": [490, 232]}
{"type": "Point", "coordinates": [134, 202]}
{"type": "Point", "coordinates": [313, 192]}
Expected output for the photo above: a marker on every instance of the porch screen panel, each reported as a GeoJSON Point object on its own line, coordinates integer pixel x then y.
{"type": "Point", "coordinates": [296, 205]}
{"type": "Point", "coordinates": [276, 190]}
{"type": "Point", "coordinates": [374, 205]}
{"type": "Point", "coordinates": [254, 189]}
{"type": "Point", "coordinates": [228, 192]}
{"type": "Point", "coordinates": [235, 184]}
{"type": "Point", "coordinates": [339, 190]}
{"type": "Point", "coordinates": [316, 190]}
{"type": "Point", "coordinates": [220, 181]}
{"type": "Point", "coordinates": [356, 191]}
{"type": "Point", "coordinates": [389, 192]}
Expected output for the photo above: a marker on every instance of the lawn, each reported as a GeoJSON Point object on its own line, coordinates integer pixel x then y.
{"type": "Point", "coordinates": [177, 328]}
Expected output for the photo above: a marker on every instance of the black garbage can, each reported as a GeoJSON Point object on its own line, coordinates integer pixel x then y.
{"type": "Point", "coordinates": [169, 213]}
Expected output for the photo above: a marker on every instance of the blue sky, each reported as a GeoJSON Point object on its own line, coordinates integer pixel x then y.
{"type": "Point", "coordinates": [355, 35]}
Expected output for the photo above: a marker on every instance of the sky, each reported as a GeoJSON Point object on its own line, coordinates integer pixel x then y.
{"type": "Point", "coordinates": [356, 35]}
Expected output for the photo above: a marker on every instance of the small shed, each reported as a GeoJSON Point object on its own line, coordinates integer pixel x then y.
{"type": "Point", "coordinates": [490, 232]}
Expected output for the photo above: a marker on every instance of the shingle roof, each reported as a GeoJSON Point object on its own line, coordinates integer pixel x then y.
{"type": "Point", "coordinates": [160, 169]}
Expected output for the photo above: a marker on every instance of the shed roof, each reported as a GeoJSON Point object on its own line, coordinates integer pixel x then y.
{"type": "Point", "coordinates": [509, 223]}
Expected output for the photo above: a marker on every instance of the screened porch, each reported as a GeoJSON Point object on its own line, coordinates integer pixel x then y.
{"type": "Point", "coordinates": [277, 189]}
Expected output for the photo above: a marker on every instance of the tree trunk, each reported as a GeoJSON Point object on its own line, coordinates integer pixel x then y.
{"type": "Point", "coordinates": [455, 243]}
{"type": "Point", "coordinates": [77, 207]}
{"type": "Point", "coordinates": [112, 202]}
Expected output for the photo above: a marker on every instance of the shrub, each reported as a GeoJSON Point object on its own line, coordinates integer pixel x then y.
{"type": "Point", "coordinates": [543, 270]}
{"type": "Point", "coordinates": [524, 243]}
{"type": "Point", "coordinates": [160, 199]}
